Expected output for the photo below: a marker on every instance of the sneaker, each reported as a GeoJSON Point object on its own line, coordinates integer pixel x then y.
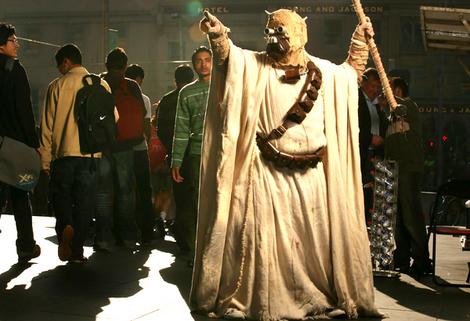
{"type": "Point", "coordinates": [65, 251]}
{"type": "Point", "coordinates": [78, 259]}
{"type": "Point", "coordinates": [129, 245]}
{"type": "Point", "coordinates": [24, 257]}
{"type": "Point", "coordinates": [149, 239]}
{"type": "Point", "coordinates": [101, 246]}
{"type": "Point", "coordinates": [419, 270]}
{"type": "Point", "coordinates": [402, 269]}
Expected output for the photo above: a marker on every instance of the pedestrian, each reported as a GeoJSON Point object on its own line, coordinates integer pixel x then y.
{"type": "Point", "coordinates": [186, 151]}
{"type": "Point", "coordinates": [169, 194]}
{"type": "Point", "coordinates": [72, 173]}
{"type": "Point", "coordinates": [130, 133]}
{"type": "Point", "coordinates": [17, 122]}
{"type": "Point", "coordinates": [144, 208]}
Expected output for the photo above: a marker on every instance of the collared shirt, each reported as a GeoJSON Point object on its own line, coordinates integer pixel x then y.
{"type": "Point", "coordinates": [374, 115]}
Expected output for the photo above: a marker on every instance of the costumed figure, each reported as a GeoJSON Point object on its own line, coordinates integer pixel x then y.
{"type": "Point", "coordinates": [281, 233]}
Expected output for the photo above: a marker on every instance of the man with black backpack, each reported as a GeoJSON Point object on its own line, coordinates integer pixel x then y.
{"type": "Point", "coordinates": [71, 166]}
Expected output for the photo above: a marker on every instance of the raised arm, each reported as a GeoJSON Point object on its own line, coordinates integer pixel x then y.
{"type": "Point", "coordinates": [358, 49]}
{"type": "Point", "coordinates": [218, 37]}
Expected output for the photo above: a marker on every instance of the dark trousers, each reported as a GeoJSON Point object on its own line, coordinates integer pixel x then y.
{"type": "Point", "coordinates": [143, 207]}
{"type": "Point", "coordinates": [124, 196]}
{"type": "Point", "coordinates": [186, 200]}
{"type": "Point", "coordinates": [368, 173]}
{"type": "Point", "coordinates": [73, 186]}
{"type": "Point", "coordinates": [21, 207]}
{"type": "Point", "coordinates": [410, 234]}
{"type": "Point", "coordinates": [104, 202]}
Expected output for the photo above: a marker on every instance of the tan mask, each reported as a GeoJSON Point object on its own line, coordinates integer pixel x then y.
{"type": "Point", "coordinates": [286, 36]}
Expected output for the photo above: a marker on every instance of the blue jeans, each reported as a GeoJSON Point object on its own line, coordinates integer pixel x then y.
{"type": "Point", "coordinates": [73, 185]}
{"type": "Point", "coordinates": [124, 200]}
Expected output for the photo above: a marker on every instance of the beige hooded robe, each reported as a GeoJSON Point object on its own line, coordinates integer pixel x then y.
{"type": "Point", "coordinates": [280, 243]}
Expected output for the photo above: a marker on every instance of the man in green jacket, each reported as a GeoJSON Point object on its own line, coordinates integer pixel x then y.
{"type": "Point", "coordinates": [186, 154]}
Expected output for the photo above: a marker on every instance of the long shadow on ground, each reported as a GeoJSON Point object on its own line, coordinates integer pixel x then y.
{"type": "Point", "coordinates": [74, 291]}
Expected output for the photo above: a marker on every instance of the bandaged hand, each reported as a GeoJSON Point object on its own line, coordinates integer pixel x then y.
{"type": "Point", "coordinates": [211, 25]}
{"type": "Point", "coordinates": [359, 50]}
{"type": "Point", "coordinates": [218, 37]}
{"type": "Point", "coordinates": [366, 28]}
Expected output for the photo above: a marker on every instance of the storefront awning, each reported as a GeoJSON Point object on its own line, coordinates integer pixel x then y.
{"type": "Point", "coordinates": [446, 28]}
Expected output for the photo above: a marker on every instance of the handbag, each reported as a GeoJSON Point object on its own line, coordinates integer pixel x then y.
{"type": "Point", "coordinates": [157, 153]}
{"type": "Point", "coordinates": [19, 164]}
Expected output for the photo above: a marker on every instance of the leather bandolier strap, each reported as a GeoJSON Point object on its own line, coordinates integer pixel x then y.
{"type": "Point", "coordinates": [296, 114]}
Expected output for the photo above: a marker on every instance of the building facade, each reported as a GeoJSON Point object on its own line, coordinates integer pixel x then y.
{"type": "Point", "coordinates": [159, 35]}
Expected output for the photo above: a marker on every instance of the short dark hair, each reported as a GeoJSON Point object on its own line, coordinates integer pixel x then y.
{"type": "Point", "coordinates": [70, 51]}
{"type": "Point", "coordinates": [6, 30]}
{"type": "Point", "coordinates": [400, 83]}
{"type": "Point", "coordinates": [116, 59]}
{"type": "Point", "coordinates": [135, 71]}
{"type": "Point", "coordinates": [183, 74]}
{"type": "Point", "coordinates": [198, 50]}
{"type": "Point", "coordinates": [370, 73]}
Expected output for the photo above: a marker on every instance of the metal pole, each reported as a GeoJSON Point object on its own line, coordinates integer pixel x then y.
{"type": "Point", "coordinates": [105, 27]}
{"type": "Point", "coordinates": [440, 121]}
{"type": "Point", "coordinates": [180, 34]}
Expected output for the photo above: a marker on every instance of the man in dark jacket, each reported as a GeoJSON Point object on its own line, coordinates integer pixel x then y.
{"type": "Point", "coordinates": [407, 149]}
{"type": "Point", "coordinates": [17, 122]}
{"type": "Point", "coordinates": [166, 116]}
{"type": "Point", "coordinates": [167, 107]}
{"type": "Point", "coordinates": [372, 126]}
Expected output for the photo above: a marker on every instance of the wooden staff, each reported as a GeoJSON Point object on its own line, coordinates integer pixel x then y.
{"type": "Point", "coordinates": [376, 57]}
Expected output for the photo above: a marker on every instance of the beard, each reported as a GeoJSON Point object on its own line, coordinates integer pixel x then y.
{"type": "Point", "coordinates": [278, 50]}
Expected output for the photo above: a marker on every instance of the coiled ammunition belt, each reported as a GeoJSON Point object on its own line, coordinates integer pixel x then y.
{"type": "Point", "coordinates": [297, 113]}
{"type": "Point", "coordinates": [281, 159]}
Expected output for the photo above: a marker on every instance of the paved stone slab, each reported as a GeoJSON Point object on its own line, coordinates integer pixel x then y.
{"type": "Point", "coordinates": [153, 284]}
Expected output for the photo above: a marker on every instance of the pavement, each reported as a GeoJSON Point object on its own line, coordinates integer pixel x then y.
{"type": "Point", "coordinates": [153, 283]}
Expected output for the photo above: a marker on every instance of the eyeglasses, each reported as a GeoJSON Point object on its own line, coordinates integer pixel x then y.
{"type": "Point", "coordinates": [14, 40]}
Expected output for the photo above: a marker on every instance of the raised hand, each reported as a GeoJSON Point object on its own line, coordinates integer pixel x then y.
{"type": "Point", "coordinates": [366, 28]}
{"type": "Point", "coordinates": [211, 25]}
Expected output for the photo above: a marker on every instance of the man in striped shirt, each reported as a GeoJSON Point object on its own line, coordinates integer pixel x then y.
{"type": "Point", "coordinates": [186, 154]}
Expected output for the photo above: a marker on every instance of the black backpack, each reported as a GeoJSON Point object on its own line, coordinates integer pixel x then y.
{"type": "Point", "coordinates": [94, 111]}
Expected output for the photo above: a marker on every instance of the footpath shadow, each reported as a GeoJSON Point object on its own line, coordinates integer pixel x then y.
{"type": "Point", "coordinates": [432, 300]}
{"type": "Point", "coordinates": [179, 274]}
{"type": "Point", "coordinates": [74, 291]}
{"type": "Point", "coordinates": [12, 273]}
